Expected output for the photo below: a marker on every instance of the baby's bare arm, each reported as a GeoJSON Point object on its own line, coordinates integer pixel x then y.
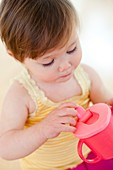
{"type": "Point", "coordinates": [98, 92]}
{"type": "Point", "coordinates": [17, 142]}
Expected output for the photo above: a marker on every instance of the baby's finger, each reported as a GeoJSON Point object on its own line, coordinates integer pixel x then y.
{"type": "Point", "coordinates": [67, 128]}
{"type": "Point", "coordinates": [68, 120]}
{"type": "Point", "coordinates": [68, 112]}
{"type": "Point", "coordinates": [68, 104]}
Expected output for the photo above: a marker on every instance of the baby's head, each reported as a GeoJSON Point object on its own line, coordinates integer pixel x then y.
{"type": "Point", "coordinates": [30, 28]}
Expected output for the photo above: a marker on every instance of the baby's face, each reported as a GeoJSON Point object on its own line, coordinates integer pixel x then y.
{"type": "Point", "coordinates": [57, 65]}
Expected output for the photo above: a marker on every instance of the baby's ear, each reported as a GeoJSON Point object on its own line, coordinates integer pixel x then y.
{"type": "Point", "coordinates": [10, 53]}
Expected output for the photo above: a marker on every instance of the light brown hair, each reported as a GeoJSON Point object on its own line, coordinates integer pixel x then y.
{"type": "Point", "coordinates": [29, 28]}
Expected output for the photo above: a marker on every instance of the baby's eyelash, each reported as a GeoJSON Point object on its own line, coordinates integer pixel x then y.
{"type": "Point", "coordinates": [69, 52]}
{"type": "Point", "coordinates": [48, 64]}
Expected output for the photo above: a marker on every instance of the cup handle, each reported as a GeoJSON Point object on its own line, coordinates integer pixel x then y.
{"type": "Point", "coordinates": [91, 161]}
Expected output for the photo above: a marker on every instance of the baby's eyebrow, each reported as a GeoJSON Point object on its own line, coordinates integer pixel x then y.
{"type": "Point", "coordinates": [51, 54]}
{"type": "Point", "coordinates": [48, 57]}
{"type": "Point", "coordinates": [72, 44]}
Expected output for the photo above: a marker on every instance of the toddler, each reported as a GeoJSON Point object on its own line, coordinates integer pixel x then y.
{"type": "Point", "coordinates": [38, 115]}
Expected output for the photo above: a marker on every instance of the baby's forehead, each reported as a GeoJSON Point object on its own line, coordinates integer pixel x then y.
{"type": "Point", "coordinates": [57, 51]}
{"type": "Point", "coordinates": [54, 51]}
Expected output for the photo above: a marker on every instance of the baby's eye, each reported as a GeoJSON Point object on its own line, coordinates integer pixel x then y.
{"type": "Point", "coordinates": [48, 64]}
{"type": "Point", "coordinates": [72, 51]}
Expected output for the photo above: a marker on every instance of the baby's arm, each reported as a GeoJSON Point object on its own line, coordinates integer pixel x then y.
{"type": "Point", "coordinates": [98, 92]}
{"type": "Point", "coordinates": [17, 142]}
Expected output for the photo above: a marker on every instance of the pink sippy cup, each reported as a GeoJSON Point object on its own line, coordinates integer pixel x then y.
{"type": "Point", "coordinates": [95, 129]}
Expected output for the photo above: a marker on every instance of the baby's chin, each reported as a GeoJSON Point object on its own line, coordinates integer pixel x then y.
{"type": "Point", "coordinates": [64, 78]}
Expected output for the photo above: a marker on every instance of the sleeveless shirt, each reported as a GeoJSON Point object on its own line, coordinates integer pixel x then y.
{"type": "Point", "coordinates": [60, 152]}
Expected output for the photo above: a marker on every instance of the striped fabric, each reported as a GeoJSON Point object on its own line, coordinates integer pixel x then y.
{"type": "Point", "coordinates": [61, 152]}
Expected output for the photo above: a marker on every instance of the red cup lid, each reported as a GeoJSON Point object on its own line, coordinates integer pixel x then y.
{"type": "Point", "coordinates": [99, 118]}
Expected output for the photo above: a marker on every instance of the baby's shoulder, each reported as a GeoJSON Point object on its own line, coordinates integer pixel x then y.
{"type": "Point", "coordinates": [18, 95]}
{"type": "Point", "coordinates": [87, 68]}
{"type": "Point", "coordinates": [16, 90]}
{"type": "Point", "coordinates": [91, 72]}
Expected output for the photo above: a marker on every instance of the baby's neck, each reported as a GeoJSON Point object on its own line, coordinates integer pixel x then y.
{"type": "Point", "coordinates": [58, 92]}
{"type": "Point", "coordinates": [53, 85]}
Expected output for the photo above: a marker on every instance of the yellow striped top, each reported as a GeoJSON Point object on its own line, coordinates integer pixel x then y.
{"type": "Point", "coordinates": [61, 152]}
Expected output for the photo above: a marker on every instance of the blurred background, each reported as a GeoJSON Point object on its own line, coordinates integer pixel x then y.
{"type": "Point", "coordinates": [96, 36]}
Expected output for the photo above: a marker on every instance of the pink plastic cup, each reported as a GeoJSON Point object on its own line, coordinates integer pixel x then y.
{"type": "Point", "coordinates": [95, 129]}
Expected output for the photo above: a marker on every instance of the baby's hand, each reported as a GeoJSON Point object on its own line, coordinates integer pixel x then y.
{"type": "Point", "coordinates": [63, 119]}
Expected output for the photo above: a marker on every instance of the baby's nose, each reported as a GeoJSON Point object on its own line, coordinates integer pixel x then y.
{"type": "Point", "coordinates": [64, 66]}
